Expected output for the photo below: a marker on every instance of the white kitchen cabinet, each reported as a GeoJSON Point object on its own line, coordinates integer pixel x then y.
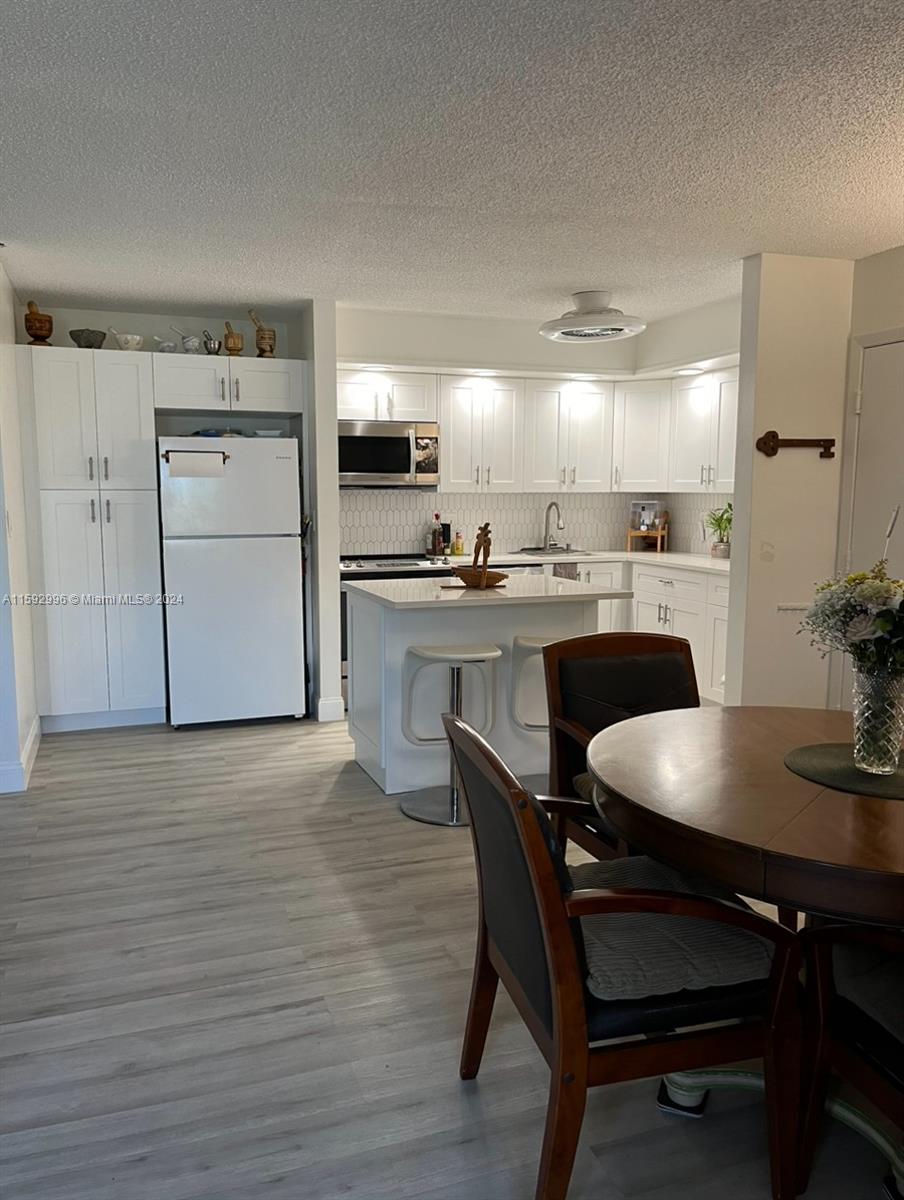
{"type": "Point", "coordinates": [568, 438]}
{"type": "Point", "coordinates": [687, 619]}
{"type": "Point", "coordinates": [612, 613]}
{"type": "Point", "coordinates": [647, 612]}
{"type": "Point", "coordinates": [640, 452]}
{"type": "Point", "coordinates": [65, 421]}
{"type": "Point", "coordinates": [690, 457]}
{"type": "Point", "coordinates": [124, 393]}
{"type": "Point", "coordinates": [481, 434]}
{"type": "Point", "coordinates": [191, 381]}
{"type": "Point", "coordinates": [704, 425]}
{"type": "Point", "coordinates": [712, 683]}
{"type": "Point", "coordinates": [267, 385]}
{"type": "Point", "coordinates": [386, 396]}
{"type": "Point", "coordinates": [76, 633]}
{"type": "Point", "coordinates": [131, 559]}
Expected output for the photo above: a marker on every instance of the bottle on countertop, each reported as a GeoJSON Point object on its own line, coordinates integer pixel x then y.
{"type": "Point", "coordinates": [436, 539]}
{"type": "Point", "coordinates": [458, 546]}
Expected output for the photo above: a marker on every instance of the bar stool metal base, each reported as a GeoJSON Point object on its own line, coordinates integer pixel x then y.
{"type": "Point", "coordinates": [435, 806]}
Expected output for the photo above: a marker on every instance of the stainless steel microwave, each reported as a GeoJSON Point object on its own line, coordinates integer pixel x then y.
{"type": "Point", "coordinates": [388, 454]}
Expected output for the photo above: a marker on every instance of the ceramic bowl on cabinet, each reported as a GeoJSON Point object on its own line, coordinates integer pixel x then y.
{"type": "Point", "coordinates": [128, 341]}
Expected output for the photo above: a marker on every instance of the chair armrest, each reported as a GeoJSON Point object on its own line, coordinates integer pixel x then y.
{"type": "Point", "coordinates": [846, 934]}
{"type": "Point", "coordinates": [575, 731]}
{"type": "Point", "coordinates": [587, 902]}
{"type": "Point", "coordinates": [566, 806]}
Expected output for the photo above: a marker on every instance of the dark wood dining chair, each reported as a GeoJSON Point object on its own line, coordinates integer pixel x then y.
{"type": "Point", "coordinates": [594, 682]}
{"type": "Point", "coordinates": [556, 938]}
{"type": "Point", "coordinates": [854, 1024]}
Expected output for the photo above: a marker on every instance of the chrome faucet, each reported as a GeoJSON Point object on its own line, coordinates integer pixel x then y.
{"type": "Point", "coordinates": [560, 524]}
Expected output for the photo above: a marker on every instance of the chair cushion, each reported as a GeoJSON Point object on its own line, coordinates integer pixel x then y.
{"type": "Point", "coordinates": [585, 786]}
{"type": "Point", "coordinates": [634, 956]}
{"type": "Point", "coordinates": [868, 1011]}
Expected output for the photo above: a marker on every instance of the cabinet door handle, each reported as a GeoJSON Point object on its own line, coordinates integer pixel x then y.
{"type": "Point", "coordinates": [668, 615]}
{"type": "Point", "coordinates": [108, 512]}
{"type": "Point", "coordinates": [574, 472]}
{"type": "Point", "coordinates": [389, 405]}
{"type": "Point", "coordinates": [93, 510]}
{"type": "Point", "coordinates": [106, 467]}
{"type": "Point", "coordinates": [488, 476]}
{"type": "Point", "coordinates": [90, 466]}
{"type": "Point", "coordinates": [659, 613]}
{"type": "Point", "coordinates": [617, 476]}
{"type": "Point", "coordinates": [223, 390]}
{"type": "Point", "coordinates": [477, 476]}
{"type": "Point", "coordinates": [702, 475]}
{"type": "Point", "coordinates": [236, 391]}
{"type": "Point", "coordinates": [563, 476]}
{"type": "Point", "coordinates": [711, 475]}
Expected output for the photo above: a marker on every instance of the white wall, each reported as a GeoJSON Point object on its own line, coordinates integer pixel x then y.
{"type": "Point", "coordinates": [704, 335]}
{"type": "Point", "coordinates": [796, 316]}
{"type": "Point", "coordinates": [150, 324]}
{"type": "Point", "coordinates": [435, 340]}
{"type": "Point", "coordinates": [19, 725]}
{"type": "Point", "coordinates": [878, 303]}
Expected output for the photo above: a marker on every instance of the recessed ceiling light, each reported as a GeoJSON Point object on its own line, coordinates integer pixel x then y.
{"type": "Point", "coordinates": [689, 371]}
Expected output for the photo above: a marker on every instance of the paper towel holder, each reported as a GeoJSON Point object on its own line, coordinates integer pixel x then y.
{"type": "Point", "coordinates": [166, 453]}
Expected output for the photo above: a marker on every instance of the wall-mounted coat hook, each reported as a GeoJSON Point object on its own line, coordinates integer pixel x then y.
{"type": "Point", "coordinates": [770, 444]}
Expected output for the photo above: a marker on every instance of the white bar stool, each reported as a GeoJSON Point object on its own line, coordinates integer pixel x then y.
{"type": "Point", "coordinates": [440, 805]}
{"type": "Point", "coordinates": [524, 648]}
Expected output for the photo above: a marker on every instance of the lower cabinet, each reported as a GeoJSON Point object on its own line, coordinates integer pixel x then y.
{"type": "Point", "coordinates": [712, 686]}
{"type": "Point", "coordinates": [661, 605]}
{"type": "Point", "coordinates": [104, 644]}
{"type": "Point", "coordinates": [613, 614]}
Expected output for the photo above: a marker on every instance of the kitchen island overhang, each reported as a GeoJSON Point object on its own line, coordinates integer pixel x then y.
{"type": "Point", "coordinates": [388, 616]}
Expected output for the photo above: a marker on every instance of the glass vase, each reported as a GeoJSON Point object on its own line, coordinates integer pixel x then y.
{"type": "Point", "coordinates": [878, 720]}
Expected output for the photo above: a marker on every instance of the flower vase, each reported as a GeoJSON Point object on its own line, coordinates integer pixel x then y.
{"type": "Point", "coordinates": [878, 720]}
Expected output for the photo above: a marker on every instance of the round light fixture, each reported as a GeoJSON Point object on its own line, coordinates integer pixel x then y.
{"type": "Point", "coordinates": [592, 320]}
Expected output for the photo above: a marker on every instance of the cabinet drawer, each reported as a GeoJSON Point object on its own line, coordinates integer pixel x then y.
{"type": "Point", "coordinates": [666, 582]}
{"type": "Point", "coordinates": [717, 590]}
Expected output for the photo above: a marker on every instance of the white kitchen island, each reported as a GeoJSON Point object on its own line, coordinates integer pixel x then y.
{"type": "Point", "coordinates": [386, 617]}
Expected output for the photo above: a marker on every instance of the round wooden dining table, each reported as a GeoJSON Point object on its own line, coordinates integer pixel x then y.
{"type": "Point", "coordinates": [707, 791]}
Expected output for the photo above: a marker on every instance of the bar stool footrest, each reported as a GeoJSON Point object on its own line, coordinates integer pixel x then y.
{"type": "Point", "coordinates": [434, 806]}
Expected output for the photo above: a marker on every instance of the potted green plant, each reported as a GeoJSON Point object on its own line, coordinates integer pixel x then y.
{"type": "Point", "coordinates": [718, 522]}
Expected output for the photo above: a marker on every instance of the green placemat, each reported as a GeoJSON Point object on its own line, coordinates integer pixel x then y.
{"type": "Point", "coordinates": [832, 763]}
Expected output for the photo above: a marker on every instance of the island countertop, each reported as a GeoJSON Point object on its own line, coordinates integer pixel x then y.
{"type": "Point", "coordinates": [518, 589]}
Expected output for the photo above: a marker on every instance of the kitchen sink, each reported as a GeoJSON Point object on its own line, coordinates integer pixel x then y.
{"type": "Point", "coordinates": [552, 550]}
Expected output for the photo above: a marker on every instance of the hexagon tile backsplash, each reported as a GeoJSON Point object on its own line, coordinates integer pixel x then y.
{"type": "Point", "coordinates": [396, 521]}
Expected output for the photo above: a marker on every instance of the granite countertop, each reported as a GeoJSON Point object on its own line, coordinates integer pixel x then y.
{"type": "Point", "coordinates": [519, 589]}
{"type": "Point", "coordinates": [695, 562]}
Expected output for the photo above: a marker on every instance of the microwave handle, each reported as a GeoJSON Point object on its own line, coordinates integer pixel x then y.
{"type": "Point", "coordinates": [412, 442]}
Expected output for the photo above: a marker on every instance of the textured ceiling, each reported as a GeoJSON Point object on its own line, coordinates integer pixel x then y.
{"type": "Point", "coordinates": [467, 156]}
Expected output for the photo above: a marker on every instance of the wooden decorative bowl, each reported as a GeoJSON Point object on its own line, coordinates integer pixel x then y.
{"type": "Point", "coordinates": [472, 577]}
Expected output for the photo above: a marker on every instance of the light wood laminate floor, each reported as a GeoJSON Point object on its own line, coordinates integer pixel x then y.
{"type": "Point", "coordinates": [232, 970]}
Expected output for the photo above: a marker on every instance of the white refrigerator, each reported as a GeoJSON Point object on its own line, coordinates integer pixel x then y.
{"type": "Point", "coordinates": [231, 520]}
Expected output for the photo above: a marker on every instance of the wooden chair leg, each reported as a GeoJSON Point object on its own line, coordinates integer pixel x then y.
{"type": "Point", "coordinates": [788, 917]}
{"type": "Point", "coordinates": [816, 1089]}
{"type": "Point", "coordinates": [564, 1117]}
{"type": "Point", "coordinates": [782, 1063]}
{"type": "Point", "coordinates": [480, 1009]}
{"type": "Point", "coordinates": [560, 828]}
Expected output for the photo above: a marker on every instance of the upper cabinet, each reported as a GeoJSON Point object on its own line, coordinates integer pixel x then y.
{"type": "Point", "coordinates": [704, 424]}
{"type": "Point", "coordinates": [386, 396]}
{"type": "Point", "coordinates": [208, 382]}
{"type": "Point", "coordinates": [640, 453]}
{"type": "Point", "coordinates": [481, 434]}
{"type": "Point", "coordinates": [568, 439]}
{"type": "Point", "coordinates": [94, 419]}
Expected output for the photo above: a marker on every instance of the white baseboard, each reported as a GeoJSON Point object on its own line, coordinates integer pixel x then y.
{"type": "Point", "coordinates": [330, 708]}
{"type": "Point", "coordinates": [30, 748]}
{"type": "Point", "coordinates": [72, 722]}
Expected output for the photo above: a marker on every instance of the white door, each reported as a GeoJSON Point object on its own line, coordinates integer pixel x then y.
{"type": "Point", "coordinates": [212, 487]}
{"type": "Point", "coordinates": [356, 396]}
{"type": "Point", "coordinates": [131, 543]}
{"type": "Point", "coordinates": [503, 436]}
{"type": "Point", "coordinates": [545, 437]}
{"type": "Point", "coordinates": [271, 385]}
{"type": "Point", "coordinates": [712, 683]}
{"type": "Point", "coordinates": [648, 613]}
{"type": "Point", "coordinates": [191, 381]}
{"type": "Point", "coordinates": [690, 459]}
{"type": "Point", "coordinates": [235, 645]}
{"type": "Point", "coordinates": [724, 430]}
{"type": "Point", "coordinates": [687, 619]}
{"type": "Point", "coordinates": [640, 455]}
{"type": "Point", "coordinates": [65, 421]}
{"type": "Point", "coordinates": [589, 454]}
{"type": "Point", "coordinates": [461, 426]}
{"type": "Point", "coordinates": [73, 568]}
{"type": "Point", "coordinates": [406, 396]}
{"type": "Point", "coordinates": [124, 388]}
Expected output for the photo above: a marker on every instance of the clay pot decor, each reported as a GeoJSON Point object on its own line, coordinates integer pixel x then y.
{"type": "Point", "coordinates": [264, 339]}
{"type": "Point", "coordinates": [234, 342]}
{"type": "Point", "coordinates": [38, 325]}
{"type": "Point", "coordinates": [88, 339]}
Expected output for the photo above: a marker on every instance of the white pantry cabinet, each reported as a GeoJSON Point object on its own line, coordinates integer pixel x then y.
{"type": "Point", "coordinates": [94, 418]}
{"type": "Point", "coordinates": [481, 434]}
{"type": "Point", "coordinates": [568, 437]}
{"type": "Point", "coordinates": [640, 451]}
{"type": "Point", "coordinates": [704, 424]}
{"type": "Point", "coordinates": [211, 383]}
{"type": "Point", "coordinates": [386, 396]}
{"type": "Point", "coordinates": [103, 655]}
